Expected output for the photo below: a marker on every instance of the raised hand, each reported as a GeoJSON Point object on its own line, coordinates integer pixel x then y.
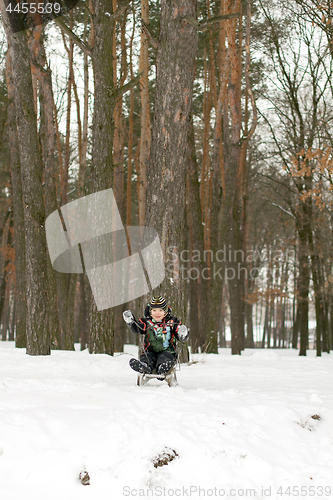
{"type": "Point", "coordinates": [128, 317]}
{"type": "Point", "coordinates": [183, 333]}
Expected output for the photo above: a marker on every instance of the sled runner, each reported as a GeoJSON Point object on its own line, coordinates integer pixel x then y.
{"type": "Point", "coordinates": [170, 377]}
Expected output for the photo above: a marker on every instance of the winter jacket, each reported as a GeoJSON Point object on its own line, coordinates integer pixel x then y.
{"type": "Point", "coordinates": [159, 336]}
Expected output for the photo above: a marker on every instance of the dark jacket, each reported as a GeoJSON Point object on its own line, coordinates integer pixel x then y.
{"type": "Point", "coordinates": [160, 336]}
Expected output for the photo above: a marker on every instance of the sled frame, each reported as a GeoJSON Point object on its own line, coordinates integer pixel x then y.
{"type": "Point", "coordinates": [170, 377]}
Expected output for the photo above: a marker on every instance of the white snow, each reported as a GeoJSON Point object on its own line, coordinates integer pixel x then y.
{"type": "Point", "coordinates": [241, 426]}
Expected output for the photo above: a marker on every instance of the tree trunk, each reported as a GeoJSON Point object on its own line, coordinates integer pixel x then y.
{"type": "Point", "coordinates": [82, 319]}
{"type": "Point", "coordinates": [38, 339]}
{"type": "Point", "coordinates": [130, 142]}
{"type": "Point", "coordinates": [266, 322]}
{"type": "Point", "coordinates": [205, 165]}
{"type": "Point", "coordinates": [82, 295]}
{"type": "Point", "coordinates": [118, 158]}
{"type": "Point", "coordinates": [324, 312]}
{"type": "Point", "coordinates": [331, 325]}
{"type": "Point", "coordinates": [118, 140]}
{"type": "Point", "coordinates": [283, 324]}
{"type": "Point", "coordinates": [58, 292]}
{"type": "Point", "coordinates": [5, 283]}
{"type": "Point", "coordinates": [234, 164]}
{"type": "Point", "coordinates": [15, 172]}
{"type": "Point", "coordinates": [64, 174]}
{"type": "Point", "coordinates": [296, 324]}
{"type": "Point", "coordinates": [249, 325]}
{"type": "Point", "coordinates": [198, 282]}
{"type": "Point", "coordinates": [214, 231]}
{"type": "Point", "coordinates": [12, 322]}
{"type": "Point", "coordinates": [166, 187]}
{"type": "Point", "coordinates": [5, 317]}
{"type": "Point", "coordinates": [145, 136]}
{"type": "Point", "coordinates": [315, 268]}
{"type": "Point", "coordinates": [232, 210]}
{"type": "Point", "coordinates": [303, 305]}
{"type": "Point", "coordinates": [101, 322]}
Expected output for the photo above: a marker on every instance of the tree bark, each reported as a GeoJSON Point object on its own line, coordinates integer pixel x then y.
{"type": "Point", "coordinates": [5, 283]}
{"type": "Point", "coordinates": [198, 285]}
{"type": "Point", "coordinates": [118, 140]}
{"type": "Point", "coordinates": [303, 288]}
{"type": "Point", "coordinates": [130, 140]}
{"type": "Point", "coordinates": [145, 135]}
{"type": "Point", "coordinates": [12, 322]}
{"type": "Point", "coordinates": [15, 172]}
{"type": "Point", "coordinates": [82, 316]}
{"type": "Point", "coordinates": [101, 322]}
{"type": "Point", "coordinates": [5, 317]}
{"type": "Point", "coordinates": [64, 173]}
{"type": "Point", "coordinates": [118, 158]}
{"type": "Point", "coordinates": [38, 338]}
{"type": "Point", "coordinates": [57, 289]}
{"type": "Point", "coordinates": [166, 187]}
{"type": "Point", "coordinates": [234, 164]}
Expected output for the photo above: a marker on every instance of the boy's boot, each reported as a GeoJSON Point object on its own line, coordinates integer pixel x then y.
{"type": "Point", "coordinates": [164, 367]}
{"type": "Point", "coordinates": [139, 366]}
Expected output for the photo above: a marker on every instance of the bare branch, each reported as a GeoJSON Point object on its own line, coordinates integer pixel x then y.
{"type": "Point", "coordinates": [279, 206]}
{"type": "Point", "coordinates": [72, 35]}
{"type": "Point", "coordinates": [283, 209]}
{"type": "Point", "coordinates": [204, 25]}
{"type": "Point", "coordinates": [121, 90]}
{"type": "Point", "coordinates": [149, 35]}
{"type": "Point", "coordinates": [121, 9]}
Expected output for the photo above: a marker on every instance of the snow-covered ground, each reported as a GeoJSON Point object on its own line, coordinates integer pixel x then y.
{"type": "Point", "coordinates": [241, 427]}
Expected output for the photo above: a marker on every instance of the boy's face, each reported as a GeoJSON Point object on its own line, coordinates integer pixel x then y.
{"type": "Point", "coordinates": [157, 314]}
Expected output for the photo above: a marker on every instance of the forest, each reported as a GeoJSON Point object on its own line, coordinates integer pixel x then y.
{"type": "Point", "coordinates": [211, 120]}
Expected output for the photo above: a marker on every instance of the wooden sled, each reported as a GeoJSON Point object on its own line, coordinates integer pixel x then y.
{"type": "Point", "coordinates": [170, 376]}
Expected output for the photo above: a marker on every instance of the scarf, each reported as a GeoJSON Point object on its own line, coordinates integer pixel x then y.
{"type": "Point", "coordinates": [159, 332]}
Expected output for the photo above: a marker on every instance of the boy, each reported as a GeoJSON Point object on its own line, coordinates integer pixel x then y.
{"type": "Point", "coordinates": [161, 330]}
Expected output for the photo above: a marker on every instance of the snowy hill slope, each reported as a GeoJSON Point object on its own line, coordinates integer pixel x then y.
{"type": "Point", "coordinates": [239, 427]}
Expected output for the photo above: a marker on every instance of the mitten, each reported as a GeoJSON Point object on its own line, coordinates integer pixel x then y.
{"type": "Point", "coordinates": [128, 317]}
{"type": "Point", "coordinates": [183, 333]}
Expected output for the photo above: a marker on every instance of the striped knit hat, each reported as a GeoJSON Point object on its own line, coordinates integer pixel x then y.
{"type": "Point", "coordinates": [158, 303]}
